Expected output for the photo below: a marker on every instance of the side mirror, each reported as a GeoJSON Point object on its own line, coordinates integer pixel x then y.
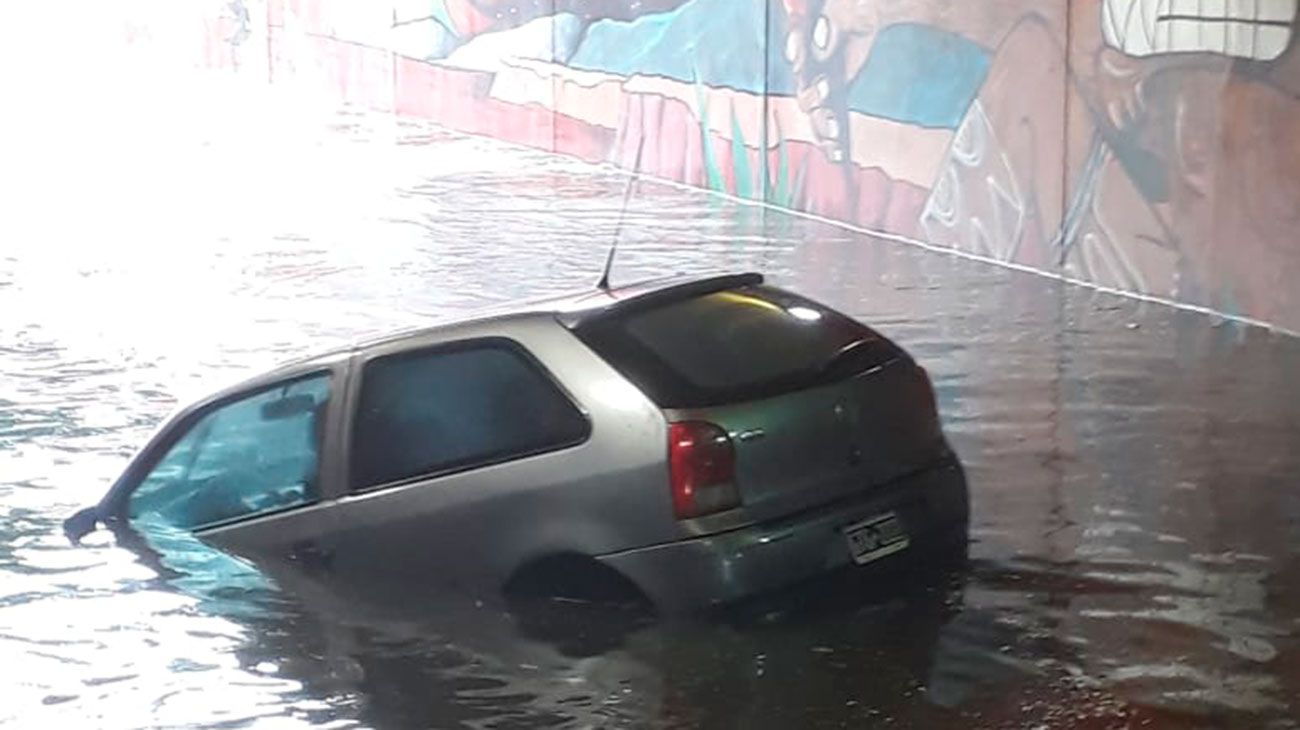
{"type": "Point", "coordinates": [292, 406]}
{"type": "Point", "coordinates": [81, 524]}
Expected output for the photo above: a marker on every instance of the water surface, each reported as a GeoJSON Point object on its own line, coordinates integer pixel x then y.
{"type": "Point", "coordinates": [1136, 516]}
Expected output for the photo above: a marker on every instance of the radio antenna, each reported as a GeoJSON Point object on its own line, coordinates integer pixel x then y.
{"type": "Point", "coordinates": [603, 284]}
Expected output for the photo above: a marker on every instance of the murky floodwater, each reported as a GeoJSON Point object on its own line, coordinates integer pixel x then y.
{"type": "Point", "coordinates": [1136, 511]}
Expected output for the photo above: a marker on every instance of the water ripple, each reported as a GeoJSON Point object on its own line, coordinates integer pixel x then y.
{"type": "Point", "coordinates": [1136, 522]}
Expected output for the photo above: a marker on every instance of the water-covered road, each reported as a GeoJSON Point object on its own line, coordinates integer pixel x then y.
{"type": "Point", "coordinates": [1136, 506]}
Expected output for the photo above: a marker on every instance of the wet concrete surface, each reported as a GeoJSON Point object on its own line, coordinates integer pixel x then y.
{"type": "Point", "coordinates": [1136, 516]}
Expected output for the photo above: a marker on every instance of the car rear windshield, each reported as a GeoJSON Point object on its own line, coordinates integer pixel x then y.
{"type": "Point", "coordinates": [734, 345]}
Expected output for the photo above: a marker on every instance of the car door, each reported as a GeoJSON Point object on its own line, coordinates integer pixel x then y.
{"type": "Point", "coordinates": [251, 472]}
{"type": "Point", "coordinates": [453, 447]}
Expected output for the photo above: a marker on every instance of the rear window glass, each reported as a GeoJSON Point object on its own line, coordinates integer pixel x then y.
{"type": "Point", "coordinates": [734, 345]}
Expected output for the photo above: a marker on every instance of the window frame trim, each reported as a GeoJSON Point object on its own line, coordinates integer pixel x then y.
{"type": "Point", "coordinates": [114, 506]}
{"type": "Point", "coordinates": [425, 347]}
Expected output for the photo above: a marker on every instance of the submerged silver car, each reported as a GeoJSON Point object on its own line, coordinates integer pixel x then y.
{"type": "Point", "coordinates": [697, 440]}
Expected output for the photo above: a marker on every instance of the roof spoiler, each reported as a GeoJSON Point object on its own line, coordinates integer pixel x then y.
{"type": "Point", "coordinates": [659, 297]}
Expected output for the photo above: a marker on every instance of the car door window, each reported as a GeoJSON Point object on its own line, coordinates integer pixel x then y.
{"type": "Point", "coordinates": [458, 407]}
{"type": "Point", "coordinates": [257, 454]}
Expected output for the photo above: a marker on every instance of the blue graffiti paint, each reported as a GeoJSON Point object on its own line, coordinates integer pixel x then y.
{"type": "Point", "coordinates": [920, 75]}
{"type": "Point", "coordinates": [438, 11]}
{"type": "Point", "coordinates": [915, 74]}
{"type": "Point", "coordinates": [723, 41]}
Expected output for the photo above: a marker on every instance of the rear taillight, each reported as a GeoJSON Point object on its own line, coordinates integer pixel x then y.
{"type": "Point", "coordinates": [702, 466]}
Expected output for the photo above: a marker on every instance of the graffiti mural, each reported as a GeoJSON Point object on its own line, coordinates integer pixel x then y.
{"type": "Point", "coordinates": [1163, 104]}
{"type": "Point", "coordinates": [1144, 145]}
{"type": "Point", "coordinates": [1185, 154]}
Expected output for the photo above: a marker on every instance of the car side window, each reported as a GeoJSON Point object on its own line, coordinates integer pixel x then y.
{"type": "Point", "coordinates": [456, 407]}
{"type": "Point", "coordinates": [250, 456]}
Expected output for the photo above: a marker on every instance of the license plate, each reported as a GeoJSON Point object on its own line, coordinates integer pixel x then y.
{"type": "Point", "coordinates": [876, 537]}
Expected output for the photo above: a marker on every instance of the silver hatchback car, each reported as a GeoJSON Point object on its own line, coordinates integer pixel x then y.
{"type": "Point", "coordinates": [698, 440]}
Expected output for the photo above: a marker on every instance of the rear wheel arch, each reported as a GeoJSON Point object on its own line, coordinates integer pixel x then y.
{"type": "Point", "coordinates": [598, 606]}
{"type": "Point", "coordinates": [571, 575]}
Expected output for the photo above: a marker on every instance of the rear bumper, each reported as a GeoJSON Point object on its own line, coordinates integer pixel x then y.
{"type": "Point", "coordinates": [719, 569]}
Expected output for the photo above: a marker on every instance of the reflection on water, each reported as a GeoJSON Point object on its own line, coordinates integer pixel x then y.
{"type": "Point", "coordinates": [1135, 512]}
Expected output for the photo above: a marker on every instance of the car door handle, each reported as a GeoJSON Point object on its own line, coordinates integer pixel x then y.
{"type": "Point", "coordinates": [752, 434]}
{"type": "Point", "coordinates": [311, 554]}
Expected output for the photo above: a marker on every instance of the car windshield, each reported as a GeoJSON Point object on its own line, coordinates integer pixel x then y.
{"type": "Point", "coordinates": [734, 345]}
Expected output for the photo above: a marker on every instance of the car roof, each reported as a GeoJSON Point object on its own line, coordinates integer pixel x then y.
{"type": "Point", "coordinates": [580, 308]}
{"type": "Point", "coordinates": [573, 310]}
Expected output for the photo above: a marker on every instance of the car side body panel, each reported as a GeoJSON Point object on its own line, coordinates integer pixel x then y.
{"type": "Point", "coordinates": [477, 526]}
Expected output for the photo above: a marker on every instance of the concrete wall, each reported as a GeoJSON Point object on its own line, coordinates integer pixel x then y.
{"type": "Point", "coordinates": [1151, 146]}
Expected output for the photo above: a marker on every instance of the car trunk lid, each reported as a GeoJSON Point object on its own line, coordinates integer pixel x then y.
{"type": "Point", "coordinates": [805, 448]}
